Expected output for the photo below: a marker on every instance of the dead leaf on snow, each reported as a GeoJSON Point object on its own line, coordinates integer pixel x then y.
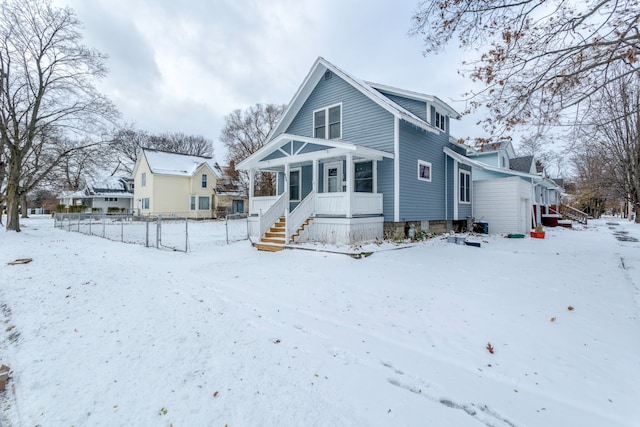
{"type": "Point", "coordinates": [20, 261]}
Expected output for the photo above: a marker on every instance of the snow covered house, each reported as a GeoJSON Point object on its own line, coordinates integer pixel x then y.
{"type": "Point", "coordinates": [103, 195]}
{"type": "Point", "coordinates": [174, 184]}
{"type": "Point", "coordinates": [509, 192]}
{"type": "Point", "coordinates": [358, 161]}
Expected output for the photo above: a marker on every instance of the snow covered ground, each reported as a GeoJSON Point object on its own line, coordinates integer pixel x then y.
{"type": "Point", "coordinates": [101, 333]}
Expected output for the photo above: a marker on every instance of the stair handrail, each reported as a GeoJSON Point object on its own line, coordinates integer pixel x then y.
{"type": "Point", "coordinates": [574, 213]}
{"type": "Point", "coordinates": [275, 211]}
{"type": "Point", "coordinates": [304, 210]}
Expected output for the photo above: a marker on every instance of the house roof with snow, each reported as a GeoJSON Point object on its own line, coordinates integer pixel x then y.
{"type": "Point", "coordinates": [111, 186]}
{"type": "Point", "coordinates": [165, 163]}
{"type": "Point", "coordinates": [370, 90]}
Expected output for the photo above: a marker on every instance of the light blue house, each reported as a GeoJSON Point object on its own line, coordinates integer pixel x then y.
{"type": "Point", "coordinates": [358, 161]}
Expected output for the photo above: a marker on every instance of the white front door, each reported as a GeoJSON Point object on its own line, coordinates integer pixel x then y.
{"type": "Point", "coordinates": [333, 177]}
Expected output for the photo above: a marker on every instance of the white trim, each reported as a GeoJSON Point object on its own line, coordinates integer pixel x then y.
{"type": "Point", "coordinates": [428, 164]}
{"type": "Point", "coordinates": [325, 178]}
{"type": "Point", "coordinates": [430, 99]}
{"type": "Point", "coordinates": [396, 169]}
{"type": "Point", "coordinates": [456, 189]}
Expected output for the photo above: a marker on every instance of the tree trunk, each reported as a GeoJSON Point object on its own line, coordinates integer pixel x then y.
{"type": "Point", "coordinates": [23, 204]}
{"type": "Point", "coordinates": [13, 194]}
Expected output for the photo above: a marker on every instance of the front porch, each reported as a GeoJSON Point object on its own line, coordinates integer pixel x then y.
{"type": "Point", "coordinates": [329, 186]}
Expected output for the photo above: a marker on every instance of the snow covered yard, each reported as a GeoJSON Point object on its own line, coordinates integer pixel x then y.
{"type": "Point", "coordinates": [102, 333]}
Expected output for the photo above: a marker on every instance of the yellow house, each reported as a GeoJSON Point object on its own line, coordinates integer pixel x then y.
{"type": "Point", "coordinates": [174, 184]}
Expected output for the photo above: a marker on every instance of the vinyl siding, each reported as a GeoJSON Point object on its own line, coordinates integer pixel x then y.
{"type": "Point", "coordinates": [419, 108]}
{"type": "Point", "coordinates": [363, 121]}
{"type": "Point", "coordinates": [503, 203]}
{"type": "Point", "coordinates": [421, 200]}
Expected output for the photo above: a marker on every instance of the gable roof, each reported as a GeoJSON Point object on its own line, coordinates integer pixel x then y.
{"type": "Point", "coordinates": [521, 164]}
{"type": "Point", "coordinates": [320, 67]}
{"type": "Point", "coordinates": [165, 163]}
{"type": "Point", "coordinates": [443, 106]}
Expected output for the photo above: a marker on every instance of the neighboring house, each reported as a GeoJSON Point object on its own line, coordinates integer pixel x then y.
{"type": "Point", "coordinates": [174, 184]}
{"type": "Point", "coordinates": [509, 192]}
{"type": "Point", "coordinates": [230, 197]}
{"type": "Point", "coordinates": [103, 195]}
{"type": "Point", "coordinates": [359, 161]}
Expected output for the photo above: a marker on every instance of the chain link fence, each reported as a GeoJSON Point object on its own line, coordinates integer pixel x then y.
{"type": "Point", "coordinates": [171, 231]}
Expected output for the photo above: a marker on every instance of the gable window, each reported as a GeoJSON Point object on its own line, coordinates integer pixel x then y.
{"type": "Point", "coordinates": [294, 185]}
{"type": "Point", "coordinates": [465, 186]}
{"type": "Point", "coordinates": [441, 121]}
{"type": "Point", "coordinates": [145, 203]}
{"type": "Point", "coordinates": [327, 123]}
{"type": "Point", "coordinates": [203, 203]}
{"type": "Point", "coordinates": [364, 177]}
{"type": "Point", "coordinates": [424, 171]}
{"type": "Point", "coordinates": [143, 179]}
{"type": "Point", "coordinates": [204, 180]}
{"type": "Point", "coordinates": [192, 203]}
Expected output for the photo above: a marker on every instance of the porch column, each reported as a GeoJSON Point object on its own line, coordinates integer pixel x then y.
{"type": "Point", "coordinates": [374, 175]}
{"type": "Point", "coordinates": [287, 203]}
{"type": "Point", "coordinates": [314, 184]}
{"type": "Point", "coordinates": [350, 180]}
{"type": "Point", "coordinates": [252, 172]}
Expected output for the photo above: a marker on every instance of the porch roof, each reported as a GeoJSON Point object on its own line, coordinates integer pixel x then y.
{"type": "Point", "coordinates": [324, 149]}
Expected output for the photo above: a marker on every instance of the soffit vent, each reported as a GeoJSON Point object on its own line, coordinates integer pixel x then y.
{"type": "Point", "coordinates": [328, 74]}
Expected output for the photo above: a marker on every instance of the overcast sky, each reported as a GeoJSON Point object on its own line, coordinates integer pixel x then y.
{"type": "Point", "coordinates": [184, 65]}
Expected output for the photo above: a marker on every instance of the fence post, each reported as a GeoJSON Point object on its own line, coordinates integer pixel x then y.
{"type": "Point", "coordinates": [146, 240]}
{"type": "Point", "coordinates": [226, 226]}
{"type": "Point", "coordinates": [121, 228]}
{"type": "Point", "coordinates": [186, 234]}
{"type": "Point", "coordinates": [158, 232]}
{"type": "Point", "coordinates": [104, 224]}
{"type": "Point", "coordinates": [79, 222]}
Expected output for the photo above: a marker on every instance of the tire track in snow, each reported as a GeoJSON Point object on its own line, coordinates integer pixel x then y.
{"type": "Point", "coordinates": [482, 413]}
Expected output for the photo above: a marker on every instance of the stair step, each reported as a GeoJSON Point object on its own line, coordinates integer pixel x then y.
{"type": "Point", "coordinates": [268, 247]}
{"type": "Point", "coordinates": [272, 240]}
{"type": "Point", "coordinates": [272, 233]}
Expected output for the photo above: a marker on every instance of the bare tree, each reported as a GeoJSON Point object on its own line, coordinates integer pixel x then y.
{"type": "Point", "coordinates": [613, 133]}
{"type": "Point", "coordinates": [47, 88]}
{"type": "Point", "coordinates": [178, 142]}
{"type": "Point", "coordinates": [244, 133]}
{"type": "Point", "coordinates": [541, 61]}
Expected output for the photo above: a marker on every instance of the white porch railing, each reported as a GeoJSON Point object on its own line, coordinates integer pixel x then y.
{"type": "Point", "coordinates": [271, 215]}
{"type": "Point", "coordinates": [303, 211]}
{"type": "Point", "coordinates": [263, 203]}
{"type": "Point", "coordinates": [337, 203]}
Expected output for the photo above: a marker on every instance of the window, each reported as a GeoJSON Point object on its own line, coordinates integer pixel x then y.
{"type": "Point", "coordinates": [145, 203]}
{"type": "Point", "coordinates": [204, 180]}
{"type": "Point", "coordinates": [192, 203]}
{"type": "Point", "coordinates": [143, 179]}
{"type": "Point", "coordinates": [364, 177]}
{"type": "Point", "coordinates": [327, 123]}
{"type": "Point", "coordinates": [110, 199]}
{"type": "Point", "coordinates": [294, 185]}
{"type": "Point", "coordinates": [441, 121]}
{"type": "Point", "coordinates": [424, 171]}
{"type": "Point", "coordinates": [465, 187]}
{"type": "Point", "coordinates": [203, 203]}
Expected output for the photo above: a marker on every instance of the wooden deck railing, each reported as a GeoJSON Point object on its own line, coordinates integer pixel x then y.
{"type": "Point", "coordinates": [574, 214]}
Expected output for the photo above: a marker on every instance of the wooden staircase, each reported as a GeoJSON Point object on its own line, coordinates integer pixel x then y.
{"type": "Point", "coordinates": [274, 239]}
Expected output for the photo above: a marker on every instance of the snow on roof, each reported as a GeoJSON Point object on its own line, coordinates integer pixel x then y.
{"type": "Point", "coordinates": [165, 163]}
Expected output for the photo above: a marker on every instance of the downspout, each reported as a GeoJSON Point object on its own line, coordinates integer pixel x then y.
{"type": "Point", "coordinates": [446, 188]}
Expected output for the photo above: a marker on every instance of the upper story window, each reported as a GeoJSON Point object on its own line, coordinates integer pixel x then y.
{"type": "Point", "coordinates": [441, 122]}
{"type": "Point", "coordinates": [204, 180]}
{"type": "Point", "coordinates": [327, 123]}
{"type": "Point", "coordinates": [143, 179]}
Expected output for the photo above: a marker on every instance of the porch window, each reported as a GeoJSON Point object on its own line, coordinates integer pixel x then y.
{"type": "Point", "coordinates": [204, 180]}
{"type": "Point", "coordinates": [192, 203]}
{"type": "Point", "coordinates": [424, 171]}
{"type": "Point", "coordinates": [465, 187]}
{"type": "Point", "coordinates": [327, 123]}
{"type": "Point", "coordinates": [364, 177]}
{"type": "Point", "coordinates": [294, 185]}
{"type": "Point", "coordinates": [203, 203]}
